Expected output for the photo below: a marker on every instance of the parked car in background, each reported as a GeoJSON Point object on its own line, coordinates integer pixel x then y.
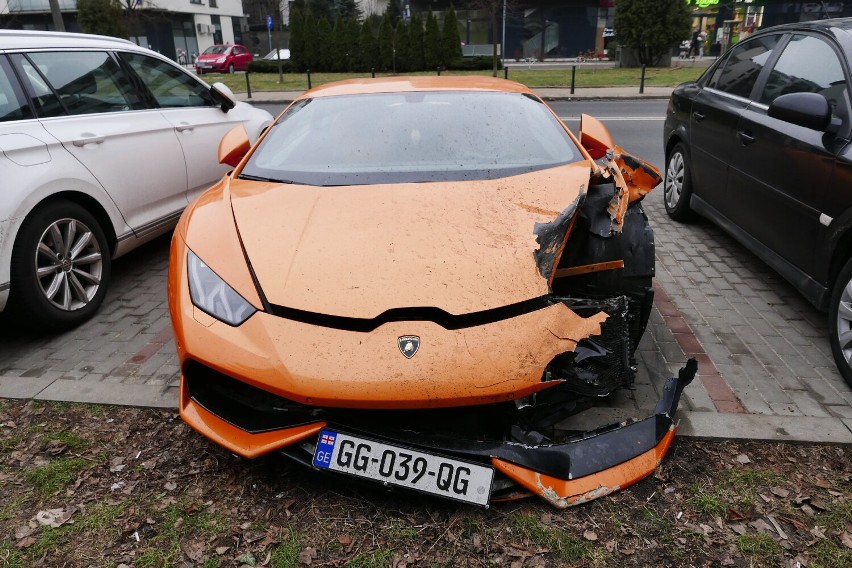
{"type": "Point", "coordinates": [760, 144]}
{"type": "Point", "coordinates": [224, 58]}
{"type": "Point", "coordinates": [102, 145]}
{"type": "Point", "coordinates": [411, 280]}
{"type": "Point", "coordinates": [276, 54]}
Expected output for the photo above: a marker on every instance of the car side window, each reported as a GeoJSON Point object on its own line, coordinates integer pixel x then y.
{"type": "Point", "coordinates": [739, 73]}
{"type": "Point", "coordinates": [809, 65]}
{"type": "Point", "coordinates": [13, 106]}
{"type": "Point", "coordinates": [170, 86]}
{"type": "Point", "coordinates": [86, 82]}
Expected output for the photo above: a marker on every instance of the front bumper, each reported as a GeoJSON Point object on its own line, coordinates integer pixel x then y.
{"type": "Point", "coordinates": [586, 466]}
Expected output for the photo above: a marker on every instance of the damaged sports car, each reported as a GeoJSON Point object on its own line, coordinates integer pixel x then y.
{"type": "Point", "coordinates": [414, 281]}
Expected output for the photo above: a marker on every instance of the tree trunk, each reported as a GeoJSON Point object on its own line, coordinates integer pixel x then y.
{"type": "Point", "coordinates": [58, 22]}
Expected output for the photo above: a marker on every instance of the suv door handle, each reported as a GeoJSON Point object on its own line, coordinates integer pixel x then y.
{"type": "Point", "coordinates": [698, 116]}
{"type": "Point", "coordinates": [184, 127]}
{"type": "Point", "coordinates": [89, 139]}
{"type": "Point", "coordinates": [745, 138]}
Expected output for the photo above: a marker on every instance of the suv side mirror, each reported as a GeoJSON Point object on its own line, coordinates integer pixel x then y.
{"type": "Point", "coordinates": [224, 96]}
{"type": "Point", "coordinates": [810, 110]}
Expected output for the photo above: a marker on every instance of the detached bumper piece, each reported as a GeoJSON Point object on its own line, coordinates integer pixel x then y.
{"type": "Point", "coordinates": [609, 459]}
{"type": "Point", "coordinates": [571, 472]}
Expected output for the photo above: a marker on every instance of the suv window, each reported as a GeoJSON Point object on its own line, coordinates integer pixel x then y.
{"type": "Point", "coordinates": [739, 73]}
{"type": "Point", "coordinates": [86, 82]}
{"type": "Point", "coordinates": [170, 86]}
{"type": "Point", "coordinates": [12, 104]}
{"type": "Point", "coordinates": [797, 71]}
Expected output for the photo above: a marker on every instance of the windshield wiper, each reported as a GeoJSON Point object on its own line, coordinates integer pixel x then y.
{"type": "Point", "coordinates": [250, 177]}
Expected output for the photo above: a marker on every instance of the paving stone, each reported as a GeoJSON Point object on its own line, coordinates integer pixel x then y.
{"type": "Point", "coordinates": [785, 409]}
{"type": "Point", "coordinates": [840, 410]}
{"type": "Point", "coordinates": [785, 378]}
{"type": "Point", "coordinates": [800, 366]}
{"type": "Point", "coordinates": [823, 391]}
{"type": "Point", "coordinates": [807, 405]}
{"type": "Point", "coordinates": [753, 402]}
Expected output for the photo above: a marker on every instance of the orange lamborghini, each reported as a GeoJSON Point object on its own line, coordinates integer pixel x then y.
{"type": "Point", "coordinates": [413, 280]}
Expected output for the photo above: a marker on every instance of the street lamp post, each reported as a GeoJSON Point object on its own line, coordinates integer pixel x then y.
{"type": "Point", "coordinates": [503, 36]}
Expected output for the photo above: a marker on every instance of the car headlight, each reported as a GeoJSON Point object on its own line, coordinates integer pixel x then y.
{"type": "Point", "coordinates": [221, 60]}
{"type": "Point", "coordinates": [213, 296]}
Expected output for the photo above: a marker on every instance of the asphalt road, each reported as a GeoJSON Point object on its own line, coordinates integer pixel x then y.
{"type": "Point", "coordinates": [636, 125]}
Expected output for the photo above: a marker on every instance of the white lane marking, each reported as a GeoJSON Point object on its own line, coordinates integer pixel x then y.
{"type": "Point", "coordinates": [615, 118]}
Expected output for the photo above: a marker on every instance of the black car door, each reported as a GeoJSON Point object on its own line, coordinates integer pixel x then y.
{"type": "Point", "coordinates": [715, 114]}
{"type": "Point", "coordinates": [780, 173]}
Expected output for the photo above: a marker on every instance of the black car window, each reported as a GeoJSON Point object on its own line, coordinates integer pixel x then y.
{"type": "Point", "coordinates": [170, 86]}
{"type": "Point", "coordinates": [739, 73]}
{"type": "Point", "coordinates": [809, 65]}
{"type": "Point", "coordinates": [43, 97]}
{"type": "Point", "coordinates": [86, 81]}
{"type": "Point", "coordinates": [12, 103]}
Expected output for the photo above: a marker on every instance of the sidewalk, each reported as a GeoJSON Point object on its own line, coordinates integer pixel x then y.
{"type": "Point", "coordinates": [547, 93]}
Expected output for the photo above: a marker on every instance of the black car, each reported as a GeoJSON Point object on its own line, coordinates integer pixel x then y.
{"type": "Point", "coordinates": [760, 144]}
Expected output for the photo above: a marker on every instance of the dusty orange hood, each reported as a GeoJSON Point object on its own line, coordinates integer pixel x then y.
{"type": "Point", "coordinates": [361, 250]}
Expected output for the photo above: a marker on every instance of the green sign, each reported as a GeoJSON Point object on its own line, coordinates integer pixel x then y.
{"type": "Point", "coordinates": [703, 3]}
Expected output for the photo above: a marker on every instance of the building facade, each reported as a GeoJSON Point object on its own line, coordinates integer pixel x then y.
{"type": "Point", "coordinates": [534, 29]}
{"type": "Point", "coordinates": [175, 28]}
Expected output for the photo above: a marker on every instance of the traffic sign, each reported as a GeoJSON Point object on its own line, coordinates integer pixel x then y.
{"type": "Point", "coordinates": [269, 23]}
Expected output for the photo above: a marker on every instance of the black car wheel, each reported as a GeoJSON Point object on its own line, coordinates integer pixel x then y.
{"type": "Point", "coordinates": [231, 68]}
{"type": "Point", "coordinates": [60, 267]}
{"type": "Point", "coordinates": [840, 322]}
{"type": "Point", "coordinates": [677, 187]}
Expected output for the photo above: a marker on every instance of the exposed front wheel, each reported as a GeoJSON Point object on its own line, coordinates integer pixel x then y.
{"type": "Point", "coordinates": [231, 68]}
{"type": "Point", "coordinates": [677, 188]}
{"type": "Point", "coordinates": [60, 267]}
{"type": "Point", "coordinates": [840, 322]}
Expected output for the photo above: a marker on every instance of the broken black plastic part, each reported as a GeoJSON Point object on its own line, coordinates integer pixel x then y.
{"type": "Point", "coordinates": [551, 237]}
{"type": "Point", "coordinates": [600, 364]}
{"type": "Point", "coordinates": [477, 438]}
{"type": "Point", "coordinates": [595, 210]}
{"type": "Point", "coordinates": [634, 245]}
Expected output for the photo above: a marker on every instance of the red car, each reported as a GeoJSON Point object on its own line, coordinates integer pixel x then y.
{"type": "Point", "coordinates": [225, 58]}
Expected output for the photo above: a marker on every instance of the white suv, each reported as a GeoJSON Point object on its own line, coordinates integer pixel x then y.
{"type": "Point", "coordinates": [102, 145]}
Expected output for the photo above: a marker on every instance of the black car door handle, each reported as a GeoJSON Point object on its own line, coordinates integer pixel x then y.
{"type": "Point", "coordinates": [698, 116]}
{"type": "Point", "coordinates": [745, 138]}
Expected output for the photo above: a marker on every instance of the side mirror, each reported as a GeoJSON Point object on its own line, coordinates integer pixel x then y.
{"type": "Point", "coordinates": [224, 96]}
{"type": "Point", "coordinates": [595, 137]}
{"type": "Point", "coordinates": [234, 146]}
{"type": "Point", "coordinates": [810, 110]}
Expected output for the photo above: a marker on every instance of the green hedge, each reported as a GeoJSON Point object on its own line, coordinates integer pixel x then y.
{"type": "Point", "coordinates": [268, 66]}
{"type": "Point", "coordinates": [478, 63]}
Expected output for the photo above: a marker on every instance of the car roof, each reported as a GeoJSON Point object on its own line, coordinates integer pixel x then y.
{"type": "Point", "coordinates": [26, 39]}
{"type": "Point", "coordinates": [834, 26]}
{"type": "Point", "coordinates": [419, 83]}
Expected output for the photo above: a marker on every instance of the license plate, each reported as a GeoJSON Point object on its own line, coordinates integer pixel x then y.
{"type": "Point", "coordinates": [404, 467]}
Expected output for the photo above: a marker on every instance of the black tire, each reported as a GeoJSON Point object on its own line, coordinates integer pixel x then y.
{"type": "Point", "coordinates": [840, 322]}
{"type": "Point", "coordinates": [231, 68]}
{"type": "Point", "coordinates": [73, 283]}
{"type": "Point", "coordinates": [677, 187]}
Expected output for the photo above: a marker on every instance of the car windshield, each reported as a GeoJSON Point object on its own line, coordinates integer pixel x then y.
{"type": "Point", "coordinates": [216, 49]}
{"type": "Point", "coordinates": [411, 137]}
